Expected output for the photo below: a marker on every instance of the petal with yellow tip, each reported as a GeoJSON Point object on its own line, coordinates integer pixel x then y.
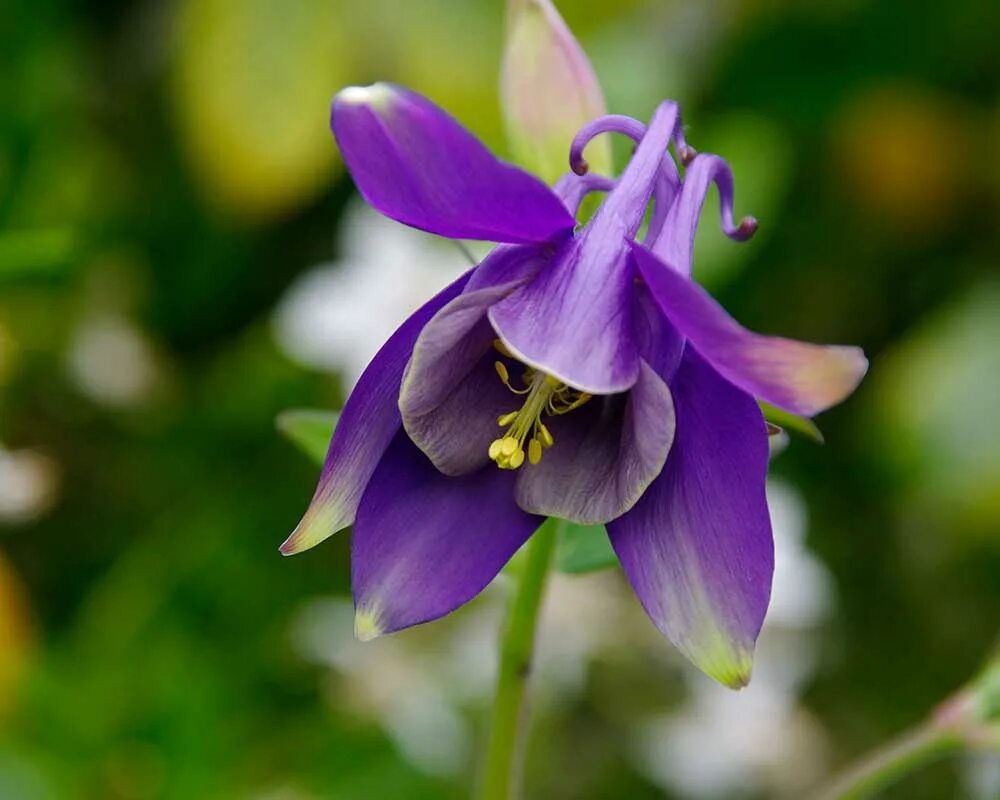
{"type": "Point", "coordinates": [368, 423]}
{"type": "Point", "coordinates": [416, 552]}
{"type": "Point", "coordinates": [697, 548]}
{"type": "Point", "coordinates": [797, 376]}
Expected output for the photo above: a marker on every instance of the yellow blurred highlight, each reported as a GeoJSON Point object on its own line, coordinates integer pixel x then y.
{"type": "Point", "coordinates": [17, 635]}
{"type": "Point", "coordinates": [905, 156]}
{"type": "Point", "coordinates": [252, 81]}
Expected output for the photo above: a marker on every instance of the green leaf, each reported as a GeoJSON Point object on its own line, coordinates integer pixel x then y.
{"type": "Point", "coordinates": [309, 429]}
{"type": "Point", "coordinates": [792, 422]}
{"type": "Point", "coordinates": [42, 253]}
{"type": "Point", "coordinates": [583, 548]}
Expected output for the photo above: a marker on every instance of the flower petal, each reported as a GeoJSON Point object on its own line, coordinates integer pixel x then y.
{"type": "Point", "coordinates": [697, 547]}
{"type": "Point", "coordinates": [796, 376]}
{"type": "Point", "coordinates": [451, 396]}
{"type": "Point", "coordinates": [605, 454]}
{"type": "Point", "coordinates": [660, 343]}
{"type": "Point", "coordinates": [668, 184]}
{"type": "Point", "coordinates": [418, 165]}
{"type": "Point", "coordinates": [548, 90]}
{"type": "Point", "coordinates": [572, 189]}
{"type": "Point", "coordinates": [367, 424]}
{"type": "Point", "coordinates": [575, 319]}
{"type": "Point", "coordinates": [425, 543]}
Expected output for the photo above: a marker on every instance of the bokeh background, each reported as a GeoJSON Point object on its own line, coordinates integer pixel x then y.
{"type": "Point", "coordinates": [182, 257]}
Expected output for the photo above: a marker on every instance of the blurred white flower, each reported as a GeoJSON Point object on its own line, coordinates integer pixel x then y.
{"type": "Point", "coordinates": [338, 315]}
{"type": "Point", "coordinates": [112, 362]}
{"type": "Point", "coordinates": [981, 775]}
{"type": "Point", "coordinates": [802, 596]}
{"type": "Point", "coordinates": [398, 681]}
{"type": "Point", "coordinates": [722, 743]}
{"type": "Point", "coordinates": [28, 483]}
{"type": "Point", "coordinates": [418, 684]}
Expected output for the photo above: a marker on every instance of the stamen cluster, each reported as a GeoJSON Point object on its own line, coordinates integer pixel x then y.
{"type": "Point", "coordinates": [544, 395]}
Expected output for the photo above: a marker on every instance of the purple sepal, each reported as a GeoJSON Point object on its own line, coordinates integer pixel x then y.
{"type": "Point", "coordinates": [368, 423]}
{"type": "Point", "coordinates": [697, 547]}
{"type": "Point", "coordinates": [800, 377]}
{"type": "Point", "coordinates": [424, 543]}
{"type": "Point", "coordinates": [416, 164]}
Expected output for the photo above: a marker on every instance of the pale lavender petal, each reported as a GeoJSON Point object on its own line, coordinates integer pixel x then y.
{"type": "Point", "coordinates": [509, 263]}
{"type": "Point", "coordinates": [672, 234]}
{"type": "Point", "coordinates": [697, 547]}
{"type": "Point", "coordinates": [796, 376]}
{"type": "Point", "coordinates": [451, 396]}
{"type": "Point", "coordinates": [424, 543]}
{"type": "Point", "coordinates": [418, 165]}
{"type": "Point", "coordinates": [604, 455]}
{"type": "Point", "coordinates": [455, 431]}
{"type": "Point", "coordinates": [368, 423]}
{"type": "Point", "coordinates": [575, 319]}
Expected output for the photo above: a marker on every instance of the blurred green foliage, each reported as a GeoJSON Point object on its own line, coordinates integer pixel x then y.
{"type": "Point", "coordinates": [167, 166]}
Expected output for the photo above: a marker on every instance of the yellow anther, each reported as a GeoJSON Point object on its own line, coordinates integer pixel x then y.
{"type": "Point", "coordinates": [534, 451]}
{"type": "Point", "coordinates": [544, 394]}
{"type": "Point", "coordinates": [501, 348]}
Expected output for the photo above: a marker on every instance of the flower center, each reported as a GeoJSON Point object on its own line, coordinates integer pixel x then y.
{"type": "Point", "coordinates": [543, 394]}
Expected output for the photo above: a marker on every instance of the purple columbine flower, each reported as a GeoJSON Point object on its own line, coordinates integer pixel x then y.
{"type": "Point", "coordinates": [576, 372]}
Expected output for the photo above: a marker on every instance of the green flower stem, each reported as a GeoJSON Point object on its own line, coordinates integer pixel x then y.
{"type": "Point", "coordinates": [894, 760]}
{"type": "Point", "coordinates": [501, 776]}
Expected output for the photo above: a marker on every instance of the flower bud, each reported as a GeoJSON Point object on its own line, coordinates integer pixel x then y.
{"type": "Point", "coordinates": [548, 91]}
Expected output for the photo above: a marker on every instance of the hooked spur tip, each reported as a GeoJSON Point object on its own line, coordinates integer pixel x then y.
{"type": "Point", "coordinates": [579, 166]}
{"type": "Point", "coordinates": [687, 154]}
{"type": "Point", "coordinates": [747, 228]}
